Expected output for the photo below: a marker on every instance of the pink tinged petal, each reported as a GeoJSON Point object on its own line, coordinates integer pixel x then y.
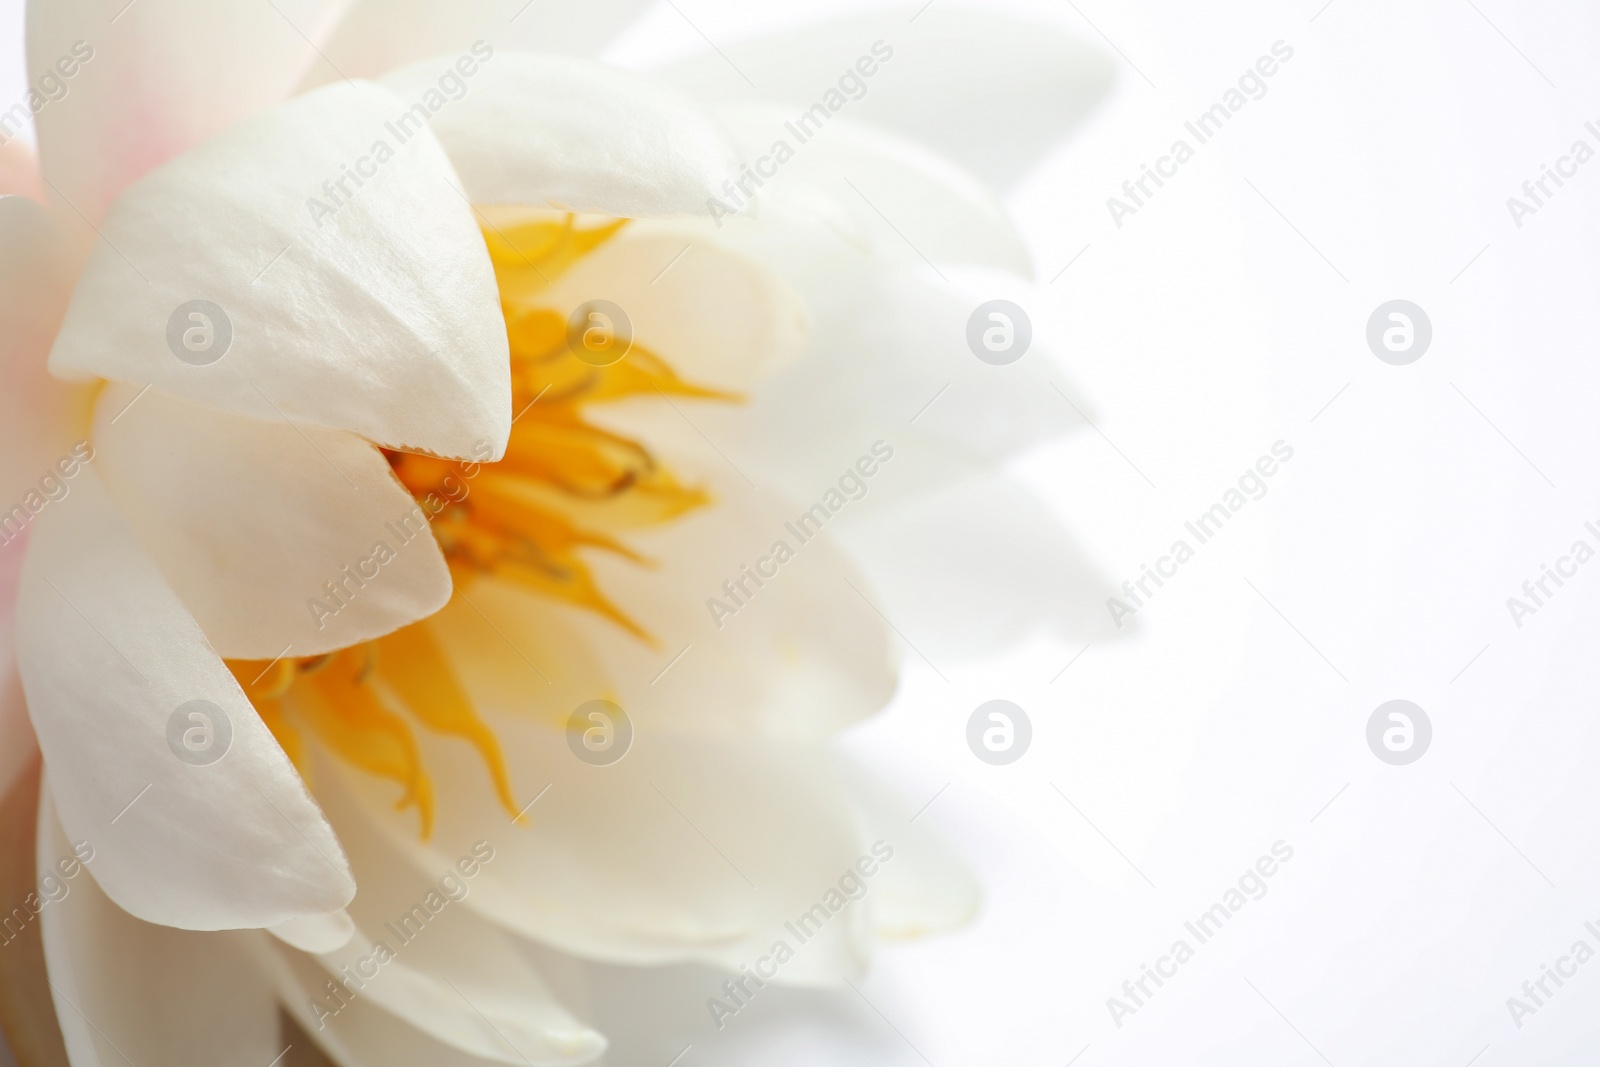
{"type": "Point", "coordinates": [128, 991]}
{"type": "Point", "coordinates": [378, 36]}
{"type": "Point", "coordinates": [366, 307]}
{"type": "Point", "coordinates": [111, 663]}
{"type": "Point", "coordinates": [574, 135]}
{"type": "Point", "coordinates": [280, 539]}
{"type": "Point", "coordinates": [19, 169]}
{"type": "Point", "coordinates": [1032, 575]}
{"type": "Point", "coordinates": [144, 82]}
{"type": "Point", "coordinates": [40, 418]}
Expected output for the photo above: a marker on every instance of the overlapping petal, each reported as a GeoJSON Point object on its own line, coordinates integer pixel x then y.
{"type": "Point", "coordinates": [990, 91]}
{"type": "Point", "coordinates": [280, 539]}
{"type": "Point", "coordinates": [345, 282]}
{"type": "Point", "coordinates": [128, 991]}
{"type": "Point", "coordinates": [911, 201]}
{"type": "Point", "coordinates": [379, 36]}
{"type": "Point", "coordinates": [569, 133]}
{"type": "Point", "coordinates": [113, 667]}
{"type": "Point", "coordinates": [128, 87]}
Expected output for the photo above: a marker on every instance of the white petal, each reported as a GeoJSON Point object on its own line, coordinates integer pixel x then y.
{"type": "Point", "coordinates": [572, 134]}
{"type": "Point", "coordinates": [39, 416]}
{"type": "Point", "coordinates": [688, 848]}
{"type": "Point", "coordinates": [802, 656]}
{"type": "Point", "coordinates": [378, 36]}
{"type": "Point", "coordinates": [109, 659]}
{"type": "Point", "coordinates": [890, 360]}
{"type": "Point", "coordinates": [250, 520]}
{"type": "Point", "coordinates": [360, 1034]}
{"type": "Point", "coordinates": [376, 312]}
{"type": "Point", "coordinates": [1017, 570]}
{"type": "Point", "coordinates": [128, 991]}
{"type": "Point", "coordinates": [148, 81]}
{"type": "Point", "coordinates": [938, 210]}
{"type": "Point", "coordinates": [453, 975]}
{"type": "Point", "coordinates": [317, 933]}
{"type": "Point", "coordinates": [924, 887]}
{"type": "Point", "coordinates": [719, 317]}
{"type": "Point", "coordinates": [990, 91]}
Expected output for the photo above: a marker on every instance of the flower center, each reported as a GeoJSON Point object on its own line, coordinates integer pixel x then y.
{"type": "Point", "coordinates": [564, 485]}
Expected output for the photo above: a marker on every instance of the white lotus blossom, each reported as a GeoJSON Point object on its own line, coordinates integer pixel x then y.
{"type": "Point", "coordinates": [334, 517]}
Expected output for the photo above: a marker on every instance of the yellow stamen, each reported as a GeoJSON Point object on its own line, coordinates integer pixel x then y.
{"type": "Point", "coordinates": [412, 664]}
{"type": "Point", "coordinates": [563, 484]}
{"type": "Point", "coordinates": [346, 715]}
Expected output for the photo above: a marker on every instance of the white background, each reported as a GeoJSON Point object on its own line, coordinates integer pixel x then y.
{"type": "Point", "coordinates": [1376, 567]}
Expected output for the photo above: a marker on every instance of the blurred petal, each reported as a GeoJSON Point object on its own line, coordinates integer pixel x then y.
{"type": "Point", "coordinates": [316, 933]}
{"type": "Point", "coordinates": [150, 81]}
{"type": "Point", "coordinates": [109, 660]}
{"type": "Point", "coordinates": [378, 36]}
{"type": "Point", "coordinates": [1021, 572]}
{"type": "Point", "coordinates": [571, 134]}
{"type": "Point", "coordinates": [128, 991]}
{"type": "Point", "coordinates": [370, 308]}
{"type": "Point", "coordinates": [924, 888]}
{"type": "Point", "coordinates": [250, 521]}
{"type": "Point", "coordinates": [989, 91]}
{"type": "Point", "coordinates": [361, 1034]}
{"type": "Point", "coordinates": [939, 210]}
{"type": "Point", "coordinates": [889, 360]}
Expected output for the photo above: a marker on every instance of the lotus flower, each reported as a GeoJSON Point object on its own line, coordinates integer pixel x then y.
{"type": "Point", "coordinates": [456, 496]}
